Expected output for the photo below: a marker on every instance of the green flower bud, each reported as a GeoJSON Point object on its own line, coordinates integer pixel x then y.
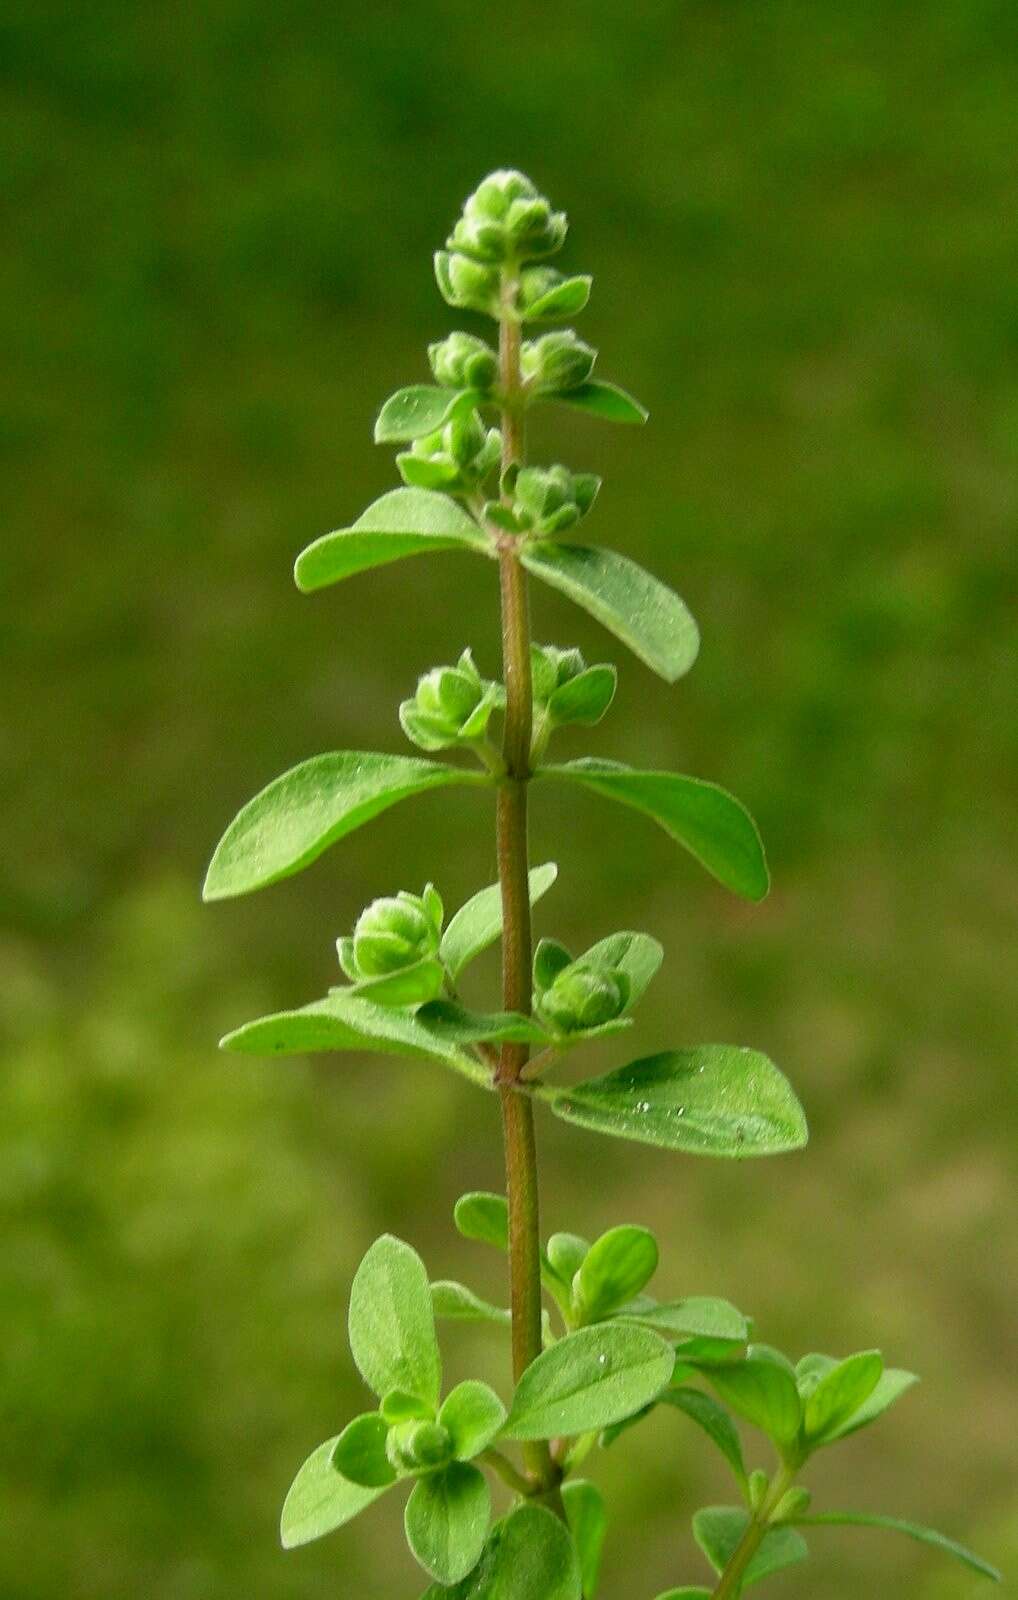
{"type": "Point", "coordinates": [467, 284]}
{"type": "Point", "coordinates": [451, 704]}
{"type": "Point", "coordinates": [549, 500]}
{"type": "Point", "coordinates": [392, 933]}
{"type": "Point", "coordinates": [556, 361]}
{"type": "Point", "coordinates": [463, 361]}
{"type": "Point", "coordinates": [551, 667]}
{"type": "Point", "coordinates": [456, 458]}
{"type": "Point", "coordinates": [506, 219]}
{"type": "Point", "coordinates": [418, 1446]}
{"type": "Point", "coordinates": [546, 295]}
{"type": "Point", "coordinates": [585, 997]}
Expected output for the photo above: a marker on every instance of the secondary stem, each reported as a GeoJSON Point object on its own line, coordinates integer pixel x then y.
{"type": "Point", "coordinates": [517, 1109]}
{"type": "Point", "coordinates": [730, 1581]}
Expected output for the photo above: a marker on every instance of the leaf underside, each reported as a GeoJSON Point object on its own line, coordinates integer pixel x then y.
{"type": "Point", "coordinates": [404, 522]}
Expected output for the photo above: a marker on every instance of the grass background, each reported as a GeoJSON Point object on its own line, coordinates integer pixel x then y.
{"type": "Point", "coordinates": [219, 219]}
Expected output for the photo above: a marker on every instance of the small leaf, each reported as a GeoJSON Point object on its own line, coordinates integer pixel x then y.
{"type": "Point", "coordinates": [454, 1302]}
{"type": "Point", "coordinates": [392, 1324]}
{"type": "Point", "coordinates": [529, 1554]}
{"type": "Point", "coordinates": [410, 986]}
{"type": "Point", "coordinates": [711, 824]}
{"type": "Point", "coordinates": [565, 300]}
{"type": "Point", "coordinates": [343, 1021]}
{"type": "Point", "coordinates": [360, 1452]}
{"type": "Point", "coordinates": [715, 1422]}
{"type": "Point", "coordinates": [893, 1383]}
{"type": "Point", "coordinates": [636, 607]}
{"type": "Point", "coordinates": [404, 522]}
{"type": "Point", "coordinates": [398, 1406]}
{"type": "Point", "coordinates": [912, 1530]}
{"type": "Point", "coordinates": [454, 1024]}
{"type": "Point", "coordinates": [616, 1267]}
{"type": "Point", "coordinates": [550, 958]}
{"type": "Point", "coordinates": [716, 1100]}
{"type": "Point", "coordinates": [565, 1256]}
{"type": "Point", "coordinates": [320, 1499]}
{"type": "Point", "coordinates": [473, 1415]}
{"type": "Point", "coordinates": [585, 698]}
{"type": "Point", "coordinates": [299, 815]}
{"type": "Point", "coordinates": [588, 1380]}
{"type": "Point", "coordinates": [761, 1391]}
{"type": "Point", "coordinates": [587, 1519]}
{"type": "Point", "coordinates": [479, 923]}
{"type": "Point", "coordinates": [698, 1316]}
{"type": "Point", "coordinates": [483, 1217]}
{"type": "Point", "coordinates": [421, 409]}
{"type": "Point", "coordinates": [636, 954]}
{"type": "Point", "coordinates": [604, 400]}
{"type": "Point", "coordinates": [447, 1519]}
{"type": "Point", "coordinates": [840, 1393]}
{"type": "Point", "coordinates": [719, 1529]}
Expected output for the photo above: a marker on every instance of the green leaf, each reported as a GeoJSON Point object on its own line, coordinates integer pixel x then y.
{"type": "Point", "coordinates": [404, 522]}
{"type": "Point", "coordinates": [715, 1422]}
{"type": "Point", "coordinates": [585, 698]}
{"type": "Point", "coordinates": [636, 954]}
{"type": "Point", "coordinates": [529, 1554]}
{"type": "Point", "coordinates": [718, 1530]}
{"type": "Point", "coordinates": [479, 923]}
{"type": "Point", "coordinates": [410, 986]}
{"type": "Point", "coordinates": [292, 821]}
{"type": "Point", "coordinates": [454, 1302]}
{"type": "Point", "coordinates": [587, 1519]}
{"type": "Point", "coordinates": [588, 1380]}
{"type": "Point", "coordinates": [761, 1391]}
{"type": "Point", "coordinates": [454, 1024]}
{"type": "Point", "coordinates": [604, 400]}
{"type": "Point", "coordinates": [893, 1383]}
{"type": "Point", "coordinates": [398, 1406]}
{"type": "Point", "coordinates": [320, 1499]}
{"type": "Point", "coordinates": [550, 958]}
{"type": "Point", "coordinates": [343, 1021]}
{"type": "Point", "coordinates": [484, 1217]}
{"type": "Point", "coordinates": [698, 1316]}
{"type": "Point", "coordinates": [392, 1324]}
{"type": "Point", "coordinates": [421, 409]}
{"type": "Point", "coordinates": [689, 1592]}
{"type": "Point", "coordinates": [616, 1267]}
{"type": "Point", "coordinates": [447, 1519]}
{"type": "Point", "coordinates": [636, 607]}
{"type": "Point", "coordinates": [840, 1393]}
{"type": "Point", "coordinates": [565, 300]}
{"type": "Point", "coordinates": [473, 1415]}
{"type": "Point", "coordinates": [565, 1256]}
{"type": "Point", "coordinates": [716, 1100]}
{"type": "Point", "coordinates": [360, 1452]}
{"type": "Point", "coordinates": [711, 824]}
{"type": "Point", "coordinates": [912, 1530]}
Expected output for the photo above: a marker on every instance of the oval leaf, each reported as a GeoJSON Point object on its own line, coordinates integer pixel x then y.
{"type": "Point", "coordinates": [711, 824]}
{"type": "Point", "coordinates": [912, 1530]}
{"type": "Point", "coordinates": [719, 1529]}
{"type": "Point", "coordinates": [604, 400]}
{"type": "Point", "coordinates": [565, 300]}
{"type": "Point", "coordinates": [588, 1380]}
{"type": "Point", "coordinates": [299, 815]}
{"type": "Point", "coordinates": [763, 1392]}
{"type": "Point", "coordinates": [404, 522]}
{"type": "Point", "coordinates": [452, 1023]}
{"type": "Point", "coordinates": [587, 1519]}
{"type": "Point", "coordinates": [698, 1316]}
{"type": "Point", "coordinates": [454, 1302]}
{"type": "Point", "coordinates": [447, 1519]}
{"type": "Point", "coordinates": [893, 1383]}
{"type": "Point", "coordinates": [484, 1217]}
{"type": "Point", "coordinates": [616, 1267]}
{"type": "Point", "coordinates": [360, 1453]}
{"type": "Point", "coordinates": [636, 954]}
{"type": "Point", "coordinates": [478, 924]}
{"type": "Point", "coordinates": [840, 1393]}
{"type": "Point", "coordinates": [636, 607]}
{"type": "Point", "coordinates": [716, 1100]}
{"type": "Point", "coordinates": [585, 698]}
{"type": "Point", "coordinates": [529, 1554]}
{"type": "Point", "coordinates": [392, 1323]}
{"type": "Point", "coordinates": [420, 409]}
{"type": "Point", "coordinates": [320, 1499]}
{"type": "Point", "coordinates": [473, 1414]}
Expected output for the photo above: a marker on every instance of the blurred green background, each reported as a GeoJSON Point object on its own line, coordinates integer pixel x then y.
{"type": "Point", "coordinates": [219, 220]}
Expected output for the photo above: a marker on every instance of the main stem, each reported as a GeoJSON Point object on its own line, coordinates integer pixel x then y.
{"type": "Point", "coordinates": [513, 867]}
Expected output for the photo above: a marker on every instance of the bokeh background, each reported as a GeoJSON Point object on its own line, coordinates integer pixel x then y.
{"type": "Point", "coordinates": [219, 220]}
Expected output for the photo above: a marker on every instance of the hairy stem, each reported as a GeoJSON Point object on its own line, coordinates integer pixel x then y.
{"type": "Point", "coordinates": [729, 1584]}
{"type": "Point", "coordinates": [517, 1109]}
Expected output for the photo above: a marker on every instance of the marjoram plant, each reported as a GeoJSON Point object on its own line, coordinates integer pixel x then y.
{"type": "Point", "coordinates": [593, 1352]}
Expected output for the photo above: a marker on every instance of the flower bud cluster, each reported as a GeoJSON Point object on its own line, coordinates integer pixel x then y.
{"type": "Point", "coordinates": [393, 933]}
{"type": "Point", "coordinates": [550, 668]}
{"type": "Point", "coordinates": [456, 458]}
{"type": "Point", "coordinates": [462, 361]}
{"type": "Point", "coordinates": [452, 705]}
{"type": "Point", "coordinates": [556, 361]}
{"type": "Point", "coordinates": [549, 500]}
{"type": "Point", "coordinates": [584, 996]}
{"type": "Point", "coordinates": [506, 219]}
{"type": "Point", "coordinates": [418, 1446]}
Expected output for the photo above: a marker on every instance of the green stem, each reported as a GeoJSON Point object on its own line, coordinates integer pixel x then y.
{"type": "Point", "coordinates": [517, 1109]}
{"type": "Point", "coordinates": [730, 1582]}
